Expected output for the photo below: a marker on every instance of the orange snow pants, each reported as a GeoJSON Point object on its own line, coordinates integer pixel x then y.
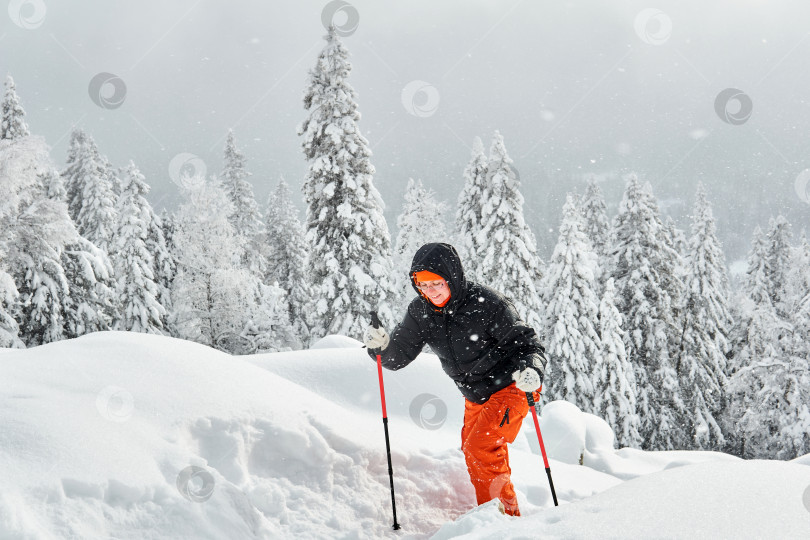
{"type": "Point", "coordinates": [488, 427]}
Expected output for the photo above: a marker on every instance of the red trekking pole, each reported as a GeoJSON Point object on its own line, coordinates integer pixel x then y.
{"type": "Point", "coordinates": [375, 322]}
{"type": "Point", "coordinates": [530, 398]}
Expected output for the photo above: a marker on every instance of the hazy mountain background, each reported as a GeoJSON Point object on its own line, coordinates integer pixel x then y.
{"type": "Point", "coordinates": [577, 88]}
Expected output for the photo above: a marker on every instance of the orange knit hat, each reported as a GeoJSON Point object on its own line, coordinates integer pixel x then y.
{"type": "Point", "coordinates": [426, 275]}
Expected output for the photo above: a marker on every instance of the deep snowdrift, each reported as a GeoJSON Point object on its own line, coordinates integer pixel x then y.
{"type": "Point", "coordinates": [134, 436]}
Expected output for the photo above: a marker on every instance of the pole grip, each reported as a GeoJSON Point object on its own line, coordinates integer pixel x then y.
{"type": "Point", "coordinates": [375, 320]}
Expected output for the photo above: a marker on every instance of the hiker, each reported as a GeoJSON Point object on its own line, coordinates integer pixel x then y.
{"type": "Point", "coordinates": [487, 350]}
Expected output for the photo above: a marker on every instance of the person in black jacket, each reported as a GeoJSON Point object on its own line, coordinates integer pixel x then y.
{"type": "Point", "coordinates": [493, 357]}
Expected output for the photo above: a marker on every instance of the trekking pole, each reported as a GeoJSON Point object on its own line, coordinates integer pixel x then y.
{"type": "Point", "coordinates": [530, 398]}
{"type": "Point", "coordinates": [375, 322]}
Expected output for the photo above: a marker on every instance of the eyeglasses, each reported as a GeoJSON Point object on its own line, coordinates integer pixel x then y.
{"type": "Point", "coordinates": [429, 286]}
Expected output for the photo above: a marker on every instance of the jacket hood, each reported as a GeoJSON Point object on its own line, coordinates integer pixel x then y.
{"type": "Point", "coordinates": [441, 259]}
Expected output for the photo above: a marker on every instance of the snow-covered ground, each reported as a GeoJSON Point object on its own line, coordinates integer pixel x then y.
{"type": "Point", "coordinates": [120, 435]}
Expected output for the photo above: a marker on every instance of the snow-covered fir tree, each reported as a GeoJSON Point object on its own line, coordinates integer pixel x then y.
{"type": "Point", "coordinates": [597, 224]}
{"type": "Point", "coordinates": [642, 271]}
{"type": "Point", "coordinates": [90, 184]}
{"type": "Point", "coordinates": [76, 170]}
{"type": "Point", "coordinates": [798, 291]}
{"type": "Point", "coordinates": [468, 209]}
{"type": "Point", "coordinates": [770, 389]}
{"type": "Point", "coordinates": [215, 299]}
{"type": "Point", "coordinates": [12, 121]}
{"type": "Point", "coordinates": [288, 256]}
{"type": "Point", "coordinates": [615, 381]}
{"type": "Point", "coordinates": [572, 314]}
{"type": "Point", "coordinates": [164, 265]}
{"type": "Point", "coordinates": [44, 287]}
{"type": "Point", "coordinates": [421, 221]}
{"type": "Point", "coordinates": [350, 263]}
{"type": "Point", "coordinates": [134, 263]}
{"type": "Point", "coordinates": [9, 328]}
{"type": "Point", "coordinates": [246, 217]}
{"type": "Point", "coordinates": [707, 321]}
{"type": "Point", "coordinates": [35, 230]}
{"type": "Point", "coordinates": [778, 263]}
{"type": "Point", "coordinates": [92, 304]}
{"type": "Point", "coordinates": [507, 247]}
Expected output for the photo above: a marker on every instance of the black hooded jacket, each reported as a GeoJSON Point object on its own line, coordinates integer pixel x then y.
{"type": "Point", "coordinates": [477, 335]}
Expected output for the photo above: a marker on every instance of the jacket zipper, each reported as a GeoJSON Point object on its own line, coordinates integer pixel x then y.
{"type": "Point", "coordinates": [505, 417]}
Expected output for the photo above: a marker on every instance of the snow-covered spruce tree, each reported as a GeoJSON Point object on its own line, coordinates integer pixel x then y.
{"type": "Point", "coordinates": [134, 263]}
{"type": "Point", "coordinates": [572, 314]}
{"type": "Point", "coordinates": [12, 121]}
{"type": "Point", "coordinates": [214, 298]}
{"type": "Point", "coordinates": [167, 224]}
{"type": "Point", "coordinates": [206, 303]}
{"type": "Point", "coordinates": [164, 265]}
{"type": "Point", "coordinates": [246, 217]}
{"type": "Point", "coordinates": [90, 184]}
{"type": "Point", "coordinates": [707, 322]}
{"type": "Point", "coordinates": [642, 271]}
{"type": "Point", "coordinates": [770, 389]}
{"type": "Point", "coordinates": [35, 230]}
{"type": "Point", "coordinates": [421, 221]}
{"type": "Point", "coordinates": [778, 263]}
{"type": "Point", "coordinates": [508, 250]}
{"type": "Point", "coordinates": [76, 170]}
{"type": "Point", "coordinates": [91, 304]}
{"type": "Point", "coordinates": [350, 245]}
{"type": "Point", "coordinates": [9, 328]}
{"type": "Point", "coordinates": [468, 209]}
{"type": "Point", "coordinates": [597, 224]}
{"type": "Point", "coordinates": [799, 294]}
{"type": "Point", "coordinates": [288, 256]}
{"type": "Point", "coordinates": [615, 381]}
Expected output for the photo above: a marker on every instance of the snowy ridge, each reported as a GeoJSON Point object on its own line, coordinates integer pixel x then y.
{"type": "Point", "coordinates": [98, 431]}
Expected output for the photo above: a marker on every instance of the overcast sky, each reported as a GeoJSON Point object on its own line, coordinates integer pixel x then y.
{"type": "Point", "coordinates": [579, 88]}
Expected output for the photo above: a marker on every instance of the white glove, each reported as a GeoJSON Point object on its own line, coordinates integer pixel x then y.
{"type": "Point", "coordinates": [527, 380]}
{"type": "Point", "coordinates": [376, 338]}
